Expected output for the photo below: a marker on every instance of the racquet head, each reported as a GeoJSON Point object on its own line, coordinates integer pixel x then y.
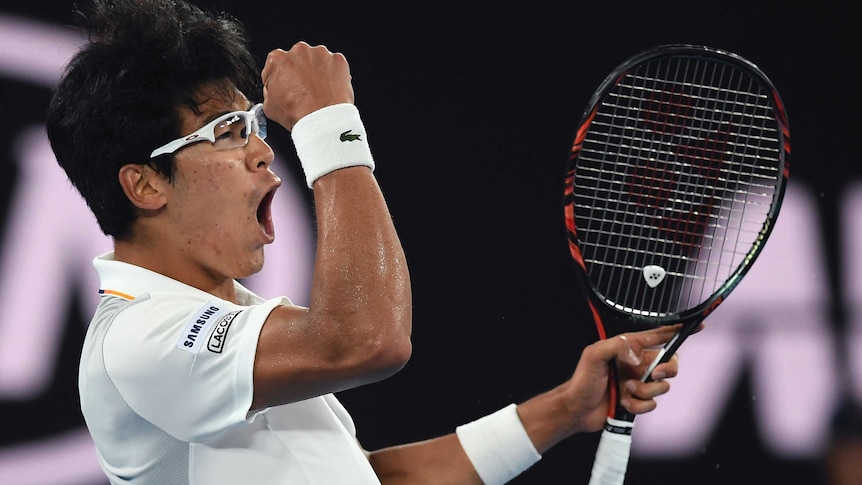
{"type": "Point", "coordinates": [675, 178]}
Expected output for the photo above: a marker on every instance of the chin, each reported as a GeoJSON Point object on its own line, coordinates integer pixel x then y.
{"type": "Point", "coordinates": [254, 265]}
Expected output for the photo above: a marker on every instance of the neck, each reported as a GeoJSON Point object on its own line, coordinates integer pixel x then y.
{"type": "Point", "coordinates": [175, 265]}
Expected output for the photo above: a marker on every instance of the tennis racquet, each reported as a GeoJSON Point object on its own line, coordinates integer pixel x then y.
{"type": "Point", "coordinates": [674, 183]}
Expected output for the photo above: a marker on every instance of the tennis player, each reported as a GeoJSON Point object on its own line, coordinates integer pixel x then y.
{"type": "Point", "coordinates": [186, 376]}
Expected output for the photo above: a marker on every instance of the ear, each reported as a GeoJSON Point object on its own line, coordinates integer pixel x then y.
{"type": "Point", "coordinates": [144, 187]}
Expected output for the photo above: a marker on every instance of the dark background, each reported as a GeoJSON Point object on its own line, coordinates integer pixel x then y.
{"type": "Point", "coordinates": [471, 110]}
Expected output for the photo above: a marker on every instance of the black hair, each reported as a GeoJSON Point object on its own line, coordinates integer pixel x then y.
{"type": "Point", "coordinates": [119, 96]}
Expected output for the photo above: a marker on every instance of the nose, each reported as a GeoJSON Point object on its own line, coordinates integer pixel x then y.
{"type": "Point", "coordinates": [259, 154]}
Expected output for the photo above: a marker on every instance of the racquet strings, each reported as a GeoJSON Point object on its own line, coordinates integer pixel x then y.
{"type": "Point", "coordinates": [675, 180]}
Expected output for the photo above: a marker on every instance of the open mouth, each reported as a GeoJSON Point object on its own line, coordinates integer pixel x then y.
{"type": "Point", "coordinates": [264, 214]}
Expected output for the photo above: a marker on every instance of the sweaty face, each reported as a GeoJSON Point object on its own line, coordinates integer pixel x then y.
{"type": "Point", "coordinates": [220, 200]}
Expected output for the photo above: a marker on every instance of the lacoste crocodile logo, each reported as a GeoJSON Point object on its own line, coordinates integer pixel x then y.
{"type": "Point", "coordinates": [347, 136]}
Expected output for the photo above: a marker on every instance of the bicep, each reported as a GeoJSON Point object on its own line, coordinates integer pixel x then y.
{"type": "Point", "coordinates": [300, 356]}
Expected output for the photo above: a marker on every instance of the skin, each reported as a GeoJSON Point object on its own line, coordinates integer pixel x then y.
{"type": "Point", "coordinates": [205, 229]}
{"type": "Point", "coordinates": [578, 405]}
{"type": "Point", "coordinates": [842, 462]}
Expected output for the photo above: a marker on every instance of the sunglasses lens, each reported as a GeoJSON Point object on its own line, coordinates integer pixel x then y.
{"type": "Point", "coordinates": [261, 121]}
{"type": "Point", "coordinates": [230, 132]}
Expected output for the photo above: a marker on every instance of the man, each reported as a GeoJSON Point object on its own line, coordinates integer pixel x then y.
{"type": "Point", "coordinates": [188, 377]}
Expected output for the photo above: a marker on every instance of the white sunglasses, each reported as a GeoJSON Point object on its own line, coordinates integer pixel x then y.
{"type": "Point", "coordinates": [226, 132]}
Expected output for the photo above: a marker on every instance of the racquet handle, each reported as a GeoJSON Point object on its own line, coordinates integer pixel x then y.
{"type": "Point", "coordinates": [615, 444]}
{"type": "Point", "coordinates": [612, 455]}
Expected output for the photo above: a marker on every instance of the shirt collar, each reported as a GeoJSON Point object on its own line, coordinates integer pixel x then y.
{"type": "Point", "coordinates": [129, 281]}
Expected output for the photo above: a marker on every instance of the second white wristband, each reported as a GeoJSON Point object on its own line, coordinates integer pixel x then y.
{"type": "Point", "coordinates": [498, 446]}
{"type": "Point", "coordinates": [329, 139]}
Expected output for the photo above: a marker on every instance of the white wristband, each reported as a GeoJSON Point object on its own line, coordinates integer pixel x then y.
{"type": "Point", "coordinates": [498, 446]}
{"type": "Point", "coordinates": [329, 139]}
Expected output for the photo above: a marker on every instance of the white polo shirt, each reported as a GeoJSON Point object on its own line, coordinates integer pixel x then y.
{"type": "Point", "coordinates": [166, 385]}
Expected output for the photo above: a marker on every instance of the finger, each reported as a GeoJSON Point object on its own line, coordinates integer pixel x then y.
{"type": "Point", "coordinates": [637, 342]}
{"type": "Point", "coordinates": [638, 406]}
{"type": "Point", "coordinates": [268, 66]}
{"type": "Point", "coordinates": [635, 406]}
{"type": "Point", "coordinates": [628, 347]}
{"type": "Point", "coordinates": [634, 403]}
{"type": "Point", "coordinates": [646, 390]}
{"type": "Point", "coordinates": [658, 336]}
{"type": "Point", "coordinates": [666, 370]}
{"type": "Point", "coordinates": [619, 348]}
{"type": "Point", "coordinates": [300, 46]}
{"type": "Point", "coordinates": [639, 397]}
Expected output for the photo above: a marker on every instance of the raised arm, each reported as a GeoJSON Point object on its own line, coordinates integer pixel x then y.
{"type": "Point", "coordinates": [357, 327]}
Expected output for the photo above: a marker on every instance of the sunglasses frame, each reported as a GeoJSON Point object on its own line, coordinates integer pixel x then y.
{"type": "Point", "coordinates": [254, 117]}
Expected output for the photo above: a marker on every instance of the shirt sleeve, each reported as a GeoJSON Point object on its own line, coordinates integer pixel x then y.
{"type": "Point", "coordinates": [187, 366]}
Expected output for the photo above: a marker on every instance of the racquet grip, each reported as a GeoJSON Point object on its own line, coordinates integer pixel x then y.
{"type": "Point", "coordinates": [612, 455]}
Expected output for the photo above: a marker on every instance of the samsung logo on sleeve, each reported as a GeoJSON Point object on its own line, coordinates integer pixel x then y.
{"type": "Point", "coordinates": [198, 326]}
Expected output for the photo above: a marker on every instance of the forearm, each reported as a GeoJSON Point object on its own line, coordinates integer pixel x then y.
{"type": "Point", "coordinates": [360, 296]}
{"type": "Point", "coordinates": [491, 450]}
{"type": "Point", "coordinates": [438, 461]}
{"type": "Point", "coordinates": [360, 272]}
{"type": "Point", "coordinates": [547, 420]}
